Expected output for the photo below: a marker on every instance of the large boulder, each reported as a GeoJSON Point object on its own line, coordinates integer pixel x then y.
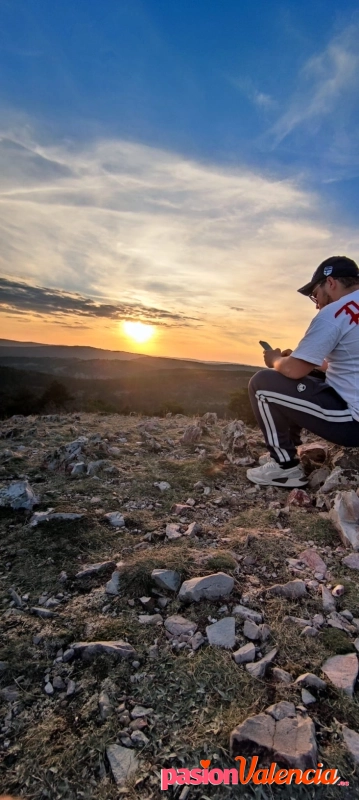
{"type": "Point", "coordinates": [280, 735]}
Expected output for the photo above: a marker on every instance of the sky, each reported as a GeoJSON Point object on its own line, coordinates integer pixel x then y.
{"type": "Point", "coordinates": [171, 171]}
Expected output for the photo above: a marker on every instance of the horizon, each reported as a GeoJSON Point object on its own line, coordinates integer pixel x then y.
{"type": "Point", "coordinates": [11, 342]}
{"type": "Point", "coordinates": [170, 175]}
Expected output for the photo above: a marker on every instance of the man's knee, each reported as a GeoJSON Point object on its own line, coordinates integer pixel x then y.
{"type": "Point", "coordinates": [263, 379]}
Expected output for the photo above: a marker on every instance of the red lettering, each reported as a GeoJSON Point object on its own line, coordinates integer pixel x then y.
{"type": "Point", "coordinates": [297, 773]}
{"type": "Point", "coordinates": [281, 776]}
{"type": "Point", "coordinates": [306, 779]}
{"type": "Point", "coordinates": [242, 766]}
{"type": "Point", "coordinates": [261, 776]}
{"type": "Point", "coordinates": [348, 309]}
{"type": "Point", "coordinates": [329, 776]}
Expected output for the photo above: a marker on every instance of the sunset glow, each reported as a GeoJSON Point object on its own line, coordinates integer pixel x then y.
{"type": "Point", "coordinates": [139, 332]}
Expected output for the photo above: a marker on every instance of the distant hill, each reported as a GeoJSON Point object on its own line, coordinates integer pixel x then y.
{"type": "Point", "coordinates": [95, 363]}
{"type": "Point", "coordinates": [37, 350]}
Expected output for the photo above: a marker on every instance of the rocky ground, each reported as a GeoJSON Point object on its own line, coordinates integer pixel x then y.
{"type": "Point", "coordinates": [159, 610]}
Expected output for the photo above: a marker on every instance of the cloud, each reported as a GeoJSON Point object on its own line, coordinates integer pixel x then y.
{"type": "Point", "coordinates": [247, 87]}
{"type": "Point", "coordinates": [22, 298]}
{"type": "Point", "coordinates": [115, 229]}
{"type": "Point", "coordinates": [327, 88]}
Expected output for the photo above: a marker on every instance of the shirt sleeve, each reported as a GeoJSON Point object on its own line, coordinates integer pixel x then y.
{"type": "Point", "coordinates": [319, 340]}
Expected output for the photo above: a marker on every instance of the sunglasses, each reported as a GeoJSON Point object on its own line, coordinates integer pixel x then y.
{"type": "Point", "coordinates": [313, 297]}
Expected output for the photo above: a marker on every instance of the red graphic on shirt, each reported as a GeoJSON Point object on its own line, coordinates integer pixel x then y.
{"type": "Point", "coordinates": [349, 309]}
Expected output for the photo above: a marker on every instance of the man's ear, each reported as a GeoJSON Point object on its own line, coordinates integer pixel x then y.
{"type": "Point", "coordinates": [332, 282]}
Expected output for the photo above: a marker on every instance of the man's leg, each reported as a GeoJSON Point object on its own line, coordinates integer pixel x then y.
{"type": "Point", "coordinates": [281, 439]}
{"type": "Point", "coordinates": [283, 405]}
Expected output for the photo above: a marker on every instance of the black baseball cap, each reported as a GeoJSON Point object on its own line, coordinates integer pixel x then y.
{"type": "Point", "coordinates": [336, 267]}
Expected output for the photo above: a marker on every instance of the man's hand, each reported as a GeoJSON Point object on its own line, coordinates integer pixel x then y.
{"type": "Point", "coordinates": [287, 352]}
{"type": "Point", "coordinates": [270, 356]}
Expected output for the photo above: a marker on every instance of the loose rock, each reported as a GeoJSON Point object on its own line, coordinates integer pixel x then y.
{"type": "Point", "coordinates": [259, 668]}
{"type": "Point", "coordinates": [115, 519]}
{"type": "Point", "coordinates": [293, 590]}
{"type": "Point", "coordinates": [328, 600]}
{"type": "Point", "coordinates": [100, 568]}
{"type": "Point", "coordinates": [176, 625]}
{"type": "Point", "coordinates": [281, 710]}
{"type": "Point", "coordinates": [166, 579]}
{"type": "Point", "coordinates": [311, 680]}
{"type": "Point", "coordinates": [307, 697]}
{"type": "Point", "coordinates": [345, 518]}
{"type": "Point", "coordinates": [333, 481]}
{"type": "Point", "coordinates": [281, 675]}
{"type": "Point", "coordinates": [351, 561]}
{"type": "Point", "coordinates": [113, 585]}
{"type": "Point", "coordinates": [245, 654]}
{"type": "Point", "coordinates": [313, 560]}
{"type": "Point", "coordinates": [298, 497]}
{"type": "Point", "coordinates": [173, 531]}
{"type": "Point", "coordinates": [44, 516]}
{"type": "Point", "coordinates": [222, 633]}
{"type": "Point", "coordinates": [251, 630]}
{"type": "Point", "coordinates": [123, 763]}
{"type": "Point", "coordinates": [247, 613]}
{"type": "Point", "coordinates": [351, 739]}
{"type": "Point", "coordinates": [342, 671]}
{"type": "Point", "coordinates": [209, 587]}
{"type": "Point", "coordinates": [89, 650]}
{"type": "Point", "coordinates": [19, 495]}
{"type": "Point", "coordinates": [105, 705]}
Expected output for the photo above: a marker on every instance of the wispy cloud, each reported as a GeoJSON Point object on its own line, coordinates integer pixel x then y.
{"type": "Point", "coordinates": [247, 87]}
{"type": "Point", "coordinates": [326, 90]}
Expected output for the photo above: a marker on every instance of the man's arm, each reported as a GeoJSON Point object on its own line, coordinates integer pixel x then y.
{"type": "Point", "coordinates": [287, 365]}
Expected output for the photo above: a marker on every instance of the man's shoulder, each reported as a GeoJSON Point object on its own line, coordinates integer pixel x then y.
{"type": "Point", "coordinates": [346, 308]}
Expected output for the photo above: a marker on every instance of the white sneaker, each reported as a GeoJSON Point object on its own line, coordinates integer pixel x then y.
{"type": "Point", "coordinates": [272, 474]}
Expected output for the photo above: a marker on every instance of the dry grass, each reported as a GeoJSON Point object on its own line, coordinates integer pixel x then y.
{"type": "Point", "coordinates": [56, 748]}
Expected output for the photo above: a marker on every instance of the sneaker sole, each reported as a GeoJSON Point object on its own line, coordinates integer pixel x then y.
{"type": "Point", "coordinates": [282, 483]}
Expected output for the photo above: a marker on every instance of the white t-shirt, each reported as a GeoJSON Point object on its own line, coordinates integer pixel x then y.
{"type": "Point", "coordinates": [334, 334]}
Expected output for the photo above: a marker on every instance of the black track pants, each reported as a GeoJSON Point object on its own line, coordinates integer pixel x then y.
{"type": "Point", "coordinates": [283, 406]}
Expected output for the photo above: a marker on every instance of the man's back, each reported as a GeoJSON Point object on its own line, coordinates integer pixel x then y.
{"type": "Point", "coordinates": [334, 335]}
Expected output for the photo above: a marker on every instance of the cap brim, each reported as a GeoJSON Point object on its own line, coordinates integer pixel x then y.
{"type": "Point", "coordinates": [308, 288]}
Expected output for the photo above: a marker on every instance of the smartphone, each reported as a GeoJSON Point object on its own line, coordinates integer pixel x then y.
{"type": "Point", "coordinates": [265, 345]}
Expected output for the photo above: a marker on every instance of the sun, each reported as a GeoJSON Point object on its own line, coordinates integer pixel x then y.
{"type": "Point", "coordinates": [139, 332]}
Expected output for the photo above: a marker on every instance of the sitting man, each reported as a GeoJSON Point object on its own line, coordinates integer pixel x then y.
{"type": "Point", "coordinates": [288, 397]}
